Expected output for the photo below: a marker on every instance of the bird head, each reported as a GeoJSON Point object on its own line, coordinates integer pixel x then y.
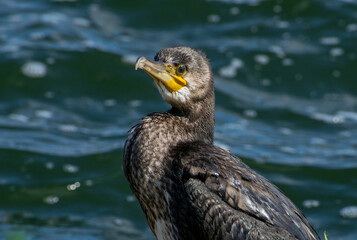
{"type": "Point", "coordinates": [182, 75]}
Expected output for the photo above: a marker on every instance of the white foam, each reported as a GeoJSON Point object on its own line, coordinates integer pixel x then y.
{"type": "Point", "coordinates": [89, 182]}
{"type": "Point", "coordinates": [110, 102]}
{"type": "Point", "coordinates": [52, 199]}
{"type": "Point", "coordinates": [330, 40]}
{"type": "Point", "coordinates": [265, 82]}
{"type": "Point", "coordinates": [54, 17]}
{"type": "Point", "coordinates": [277, 50]}
{"type": "Point", "coordinates": [81, 22]}
{"type": "Point", "coordinates": [34, 69]}
{"type": "Point", "coordinates": [49, 94]}
{"type": "Point", "coordinates": [9, 48]}
{"type": "Point", "coordinates": [67, 128]}
{"type": "Point", "coordinates": [50, 165]}
{"type": "Point", "coordinates": [335, 52]}
{"type": "Point", "coordinates": [234, 11]}
{"type": "Point", "coordinates": [213, 18]}
{"type": "Point", "coordinates": [230, 70]}
{"type": "Point", "coordinates": [69, 168]}
{"type": "Point", "coordinates": [317, 141]}
{"type": "Point", "coordinates": [18, 117]}
{"type": "Point", "coordinates": [135, 103]}
{"type": "Point", "coordinates": [287, 62]}
{"type": "Point", "coordinates": [336, 73]}
{"type": "Point", "coordinates": [285, 131]}
{"type": "Point", "coordinates": [44, 114]}
{"type": "Point", "coordinates": [277, 8]}
{"type": "Point", "coordinates": [311, 203]}
{"type": "Point", "coordinates": [349, 212]}
{"type": "Point", "coordinates": [130, 198]}
{"type": "Point", "coordinates": [262, 59]}
{"type": "Point", "coordinates": [250, 113]}
{"type": "Point", "coordinates": [287, 149]}
{"type": "Point", "coordinates": [352, 27]}
{"type": "Point", "coordinates": [131, 59]}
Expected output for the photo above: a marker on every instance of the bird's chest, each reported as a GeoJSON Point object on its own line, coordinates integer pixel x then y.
{"type": "Point", "coordinates": [146, 167]}
{"type": "Point", "coordinates": [156, 203]}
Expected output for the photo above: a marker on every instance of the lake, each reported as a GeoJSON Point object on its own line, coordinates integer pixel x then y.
{"type": "Point", "coordinates": [286, 103]}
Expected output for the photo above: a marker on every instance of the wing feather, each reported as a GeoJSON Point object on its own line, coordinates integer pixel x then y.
{"type": "Point", "coordinates": [229, 192]}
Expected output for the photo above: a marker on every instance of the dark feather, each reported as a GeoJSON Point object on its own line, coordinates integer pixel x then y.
{"type": "Point", "coordinates": [191, 189]}
{"type": "Point", "coordinates": [232, 199]}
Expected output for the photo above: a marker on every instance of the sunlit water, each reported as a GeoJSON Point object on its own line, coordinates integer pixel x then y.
{"type": "Point", "coordinates": [286, 102]}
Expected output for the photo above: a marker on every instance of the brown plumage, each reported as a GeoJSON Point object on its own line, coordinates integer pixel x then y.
{"type": "Point", "coordinates": [187, 187]}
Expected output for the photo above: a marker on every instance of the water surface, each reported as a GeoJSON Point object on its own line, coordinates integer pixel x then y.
{"type": "Point", "coordinates": [286, 102]}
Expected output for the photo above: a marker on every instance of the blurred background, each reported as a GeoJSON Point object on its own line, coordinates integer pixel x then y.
{"type": "Point", "coordinates": [286, 96]}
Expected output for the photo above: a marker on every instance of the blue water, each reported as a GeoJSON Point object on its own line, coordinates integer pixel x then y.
{"type": "Point", "coordinates": [286, 103]}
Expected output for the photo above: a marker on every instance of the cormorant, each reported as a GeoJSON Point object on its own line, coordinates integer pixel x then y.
{"type": "Point", "coordinates": [187, 187]}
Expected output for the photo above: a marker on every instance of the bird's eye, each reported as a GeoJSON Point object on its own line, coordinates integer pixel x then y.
{"type": "Point", "coordinates": [181, 69]}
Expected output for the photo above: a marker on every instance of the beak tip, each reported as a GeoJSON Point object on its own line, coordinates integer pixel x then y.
{"type": "Point", "coordinates": [139, 63]}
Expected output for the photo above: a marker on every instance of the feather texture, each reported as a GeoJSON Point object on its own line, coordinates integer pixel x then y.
{"type": "Point", "coordinates": [191, 189]}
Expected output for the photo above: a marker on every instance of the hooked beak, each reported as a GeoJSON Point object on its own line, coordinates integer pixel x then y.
{"type": "Point", "coordinates": [162, 74]}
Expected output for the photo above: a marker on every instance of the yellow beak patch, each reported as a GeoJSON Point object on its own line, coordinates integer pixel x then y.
{"type": "Point", "coordinates": [165, 74]}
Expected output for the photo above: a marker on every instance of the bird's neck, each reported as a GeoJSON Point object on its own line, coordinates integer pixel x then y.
{"type": "Point", "coordinates": [153, 138]}
{"type": "Point", "coordinates": [198, 120]}
{"type": "Point", "coordinates": [158, 133]}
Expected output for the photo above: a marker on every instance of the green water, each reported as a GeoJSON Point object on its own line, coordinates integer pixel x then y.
{"type": "Point", "coordinates": [286, 96]}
